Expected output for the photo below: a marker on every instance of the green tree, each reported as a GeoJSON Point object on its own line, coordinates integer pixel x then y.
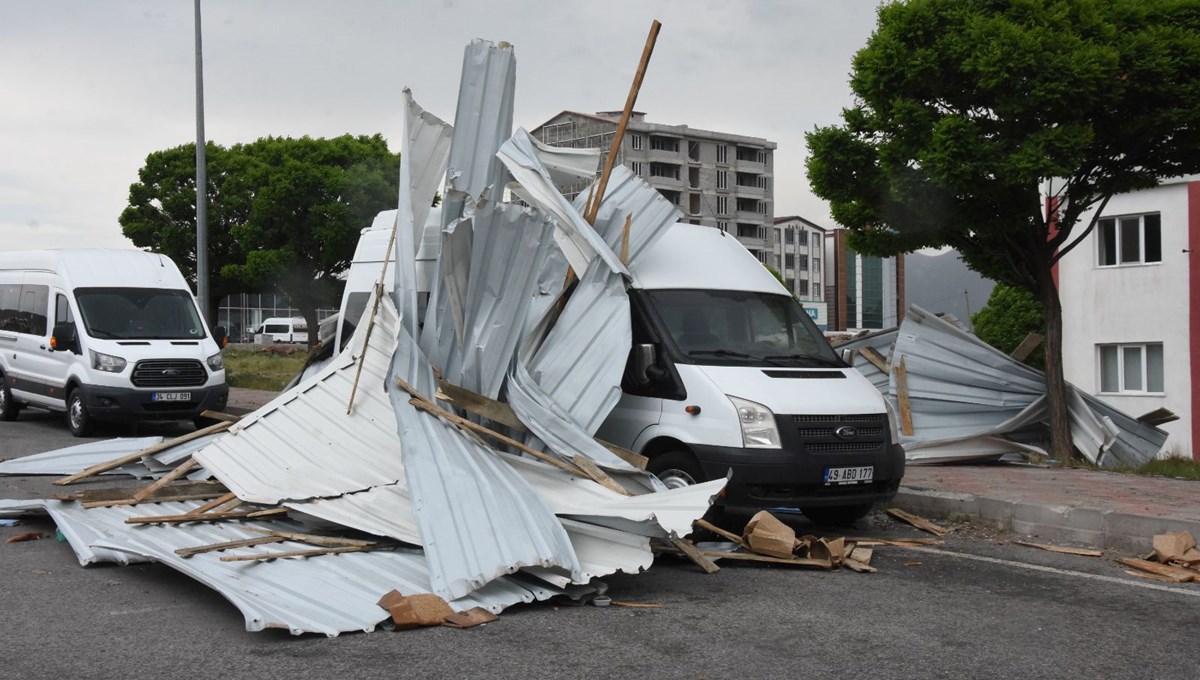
{"type": "Point", "coordinates": [972, 115]}
{"type": "Point", "coordinates": [311, 198]}
{"type": "Point", "coordinates": [1010, 315]}
{"type": "Point", "coordinates": [161, 215]}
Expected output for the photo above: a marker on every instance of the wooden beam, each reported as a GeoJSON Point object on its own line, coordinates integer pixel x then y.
{"type": "Point", "coordinates": [216, 502]}
{"type": "Point", "coordinates": [220, 415]}
{"type": "Point", "coordinates": [615, 150]}
{"type": "Point", "coordinates": [1086, 552]}
{"type": "Point", "coordinates": [473, 402]}
{"type": "Point", "coordinates": [625, 240]}
{"type": "Point", "coordinates": [1176, 574]}
{"type": "Point", "coordinates": [900, 373]}
{"type": "Point", "coordinates": [163, 496]}
{"type": "Point", "coordinates": [1030, 343]}
{"type": "Point", "coordinates": [876, 359]}
{"type": "Point", "coordinates": [138, 455]}
{"type": "Point", "coordinates": [315, 539]}
{"type": "Point", "coordinates": [308, 553]}
{"type": "Point", "coordinates": [754, 557]}
{"type": "Point", "coordinates": [203, 516]}
{"type": "Point", "coordinates": [179, 471]}
{"type": "Point", "coordinates": [918, 522]}
{"type": "Point", "coordinates": [693, 553]}
{"type": "Point", "coordinates": [635, 459]}
{"type": "Point", "coordinates": [727, 535]}
{"type": "Point", "coordinates": [227, 545]}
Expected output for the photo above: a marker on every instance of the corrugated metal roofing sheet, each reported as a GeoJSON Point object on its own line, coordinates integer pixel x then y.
{"type": "Point", "coordinates": [72, 459]}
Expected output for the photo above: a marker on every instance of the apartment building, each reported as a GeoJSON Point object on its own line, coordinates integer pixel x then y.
{"type": "Point", "coordinates": [1131, 307]}
{"type": "Point", "coordinates": [798, 254]}
{"type": "Point", "coordinates": [867, 291]}
{"type": "Point", "coordinates": [717, 179]}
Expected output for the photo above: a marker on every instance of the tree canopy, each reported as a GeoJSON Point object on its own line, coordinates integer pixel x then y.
{"type": "Point", "coordinates": [972, 115]}
{"type": "Point", "coordinates": [1010, 315]}
{"type": "Point", "coordinates": [283, 214]}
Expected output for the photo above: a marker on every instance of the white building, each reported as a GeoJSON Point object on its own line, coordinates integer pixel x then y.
{"type": "Point", "coordinates": [1131, 307]}
{"type": "Point", "coordinates": [797, 248]}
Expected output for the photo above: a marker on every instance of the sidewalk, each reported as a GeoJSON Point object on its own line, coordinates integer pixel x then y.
{"type": "Point", "coordinates": [1106, 509]}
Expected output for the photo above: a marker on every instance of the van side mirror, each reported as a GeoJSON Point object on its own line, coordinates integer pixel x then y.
{"type": "Point", "coordinates": [220, 336]}
{"type": "Point", "coordinates": [645, 359]}
{"type": "Point", "coordinates": [65, 338]}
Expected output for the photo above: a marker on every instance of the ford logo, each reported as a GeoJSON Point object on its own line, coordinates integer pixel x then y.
{"type": "Point", "coordinates": [846, 432]}
{"type": "Point", "coordinates": [173, 372]}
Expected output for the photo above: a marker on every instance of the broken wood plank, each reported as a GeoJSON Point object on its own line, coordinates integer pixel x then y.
{"type": "Point", "coordinates": [480, 405]}
{"type": "Point", "coordinates": [1176, 574]}
{"type": "Point", "coordinates": [179, 471]}
{"type": "Point", "coordinates": [597, 475]}
{"type": "Point", "coordinates": [1086, 552]}
{"type": "Point", "coordinates": [1030, 343]}
{"type": "Point", "coordinates": [914, 542]}
{"type": "Point", "coordinates": [860, 567]}
{"type": "Point", "coordinates": [755, 557]}
{"type": "Point", "coordinates": [220, 415]}
{"type": "Point", "coordinates": [636, 605]}
{"type": "Point", "coordinates": [163, 496]}
{"type": "Point", "coordinates": [861, 554]}
{"type": "Point", "coordinates": [1153, 577]}
{"type": "Point", "coordinates": [138, 455]}
{"type": "Point", "coordinates": [117, 493]}
{"type": "Point", "coordinates": [216, 502]}
{"type": "Point", "coordinates": [315, 552]}
{"type": "Point", "coordinates": [203, 516]}
{"type": "Point", "coordinates": [227, 545]}
{"type": "Point", "coordinates": [873, 357]}
{"type": "Point", "coordinates": [918, 522]}
{"type": "Point", "coordinates": [315, 539]}
{"type": "Point", "coordinates": [727, 535]}
{"type": "Point", "coordinates": [635, 459]}
{"type": "Point", "coordinates": [1158, 416]}
{"type": "Point", "coordinates": [475, 616]}
{"type": "Point", "coordinates": [625, 240]}
{"type": "Point", "coordinates": [900, 373]}
{"type": "Point", "coordinates": [693, 553]}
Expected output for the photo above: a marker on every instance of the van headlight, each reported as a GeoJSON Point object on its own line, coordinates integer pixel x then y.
{"type": "Point", "coordinates": [215, 363]}
{"type": "Point", "coordinates": [107, 362]}
{"type": "Point", "coordinates": [893, 421]}
{"type": "Point", "coordinates": [758, 424]}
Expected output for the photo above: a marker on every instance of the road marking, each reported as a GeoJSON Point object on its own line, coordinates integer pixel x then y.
{"type": "Point", "coordinates": [1055, 570]}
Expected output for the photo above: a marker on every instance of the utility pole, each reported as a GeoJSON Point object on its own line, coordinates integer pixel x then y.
{"type": "Point", "coordinates": [201, 184]}
{"type": "Point", "coordinates": [966, 296]}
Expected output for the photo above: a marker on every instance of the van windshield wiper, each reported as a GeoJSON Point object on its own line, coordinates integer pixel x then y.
{"type": "Point", "coordinates": [732, 354]}
{"type": "Point", "coordinates": [832, 363]}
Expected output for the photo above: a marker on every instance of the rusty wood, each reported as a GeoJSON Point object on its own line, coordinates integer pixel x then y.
{"type": "Point", "coordinates": [138, 455]}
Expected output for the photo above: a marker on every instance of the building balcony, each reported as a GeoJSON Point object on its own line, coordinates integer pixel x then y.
{"type": "Point", "coordinates": [750, 191]}
{"type": "Point", "coordinates": [664, 156]}
{"type": "Point", "coordinates": [750, 216]}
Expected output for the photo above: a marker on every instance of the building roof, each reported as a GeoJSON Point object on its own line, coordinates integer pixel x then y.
{"type": "Point", "coordinates": [638, 123]}
{"type": "Point", "coordinates": [808, 223]}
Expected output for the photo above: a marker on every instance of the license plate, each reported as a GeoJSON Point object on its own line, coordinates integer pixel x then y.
{"type": "Point", "coordinates": [170, 396]}
{"type": "Point", "coordinates": [849, 475]}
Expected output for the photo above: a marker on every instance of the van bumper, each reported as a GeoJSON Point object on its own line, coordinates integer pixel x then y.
{"type": "Point", "coordinates": [795, 478]}
{"type": "Point", "coordinates": [124, 404]}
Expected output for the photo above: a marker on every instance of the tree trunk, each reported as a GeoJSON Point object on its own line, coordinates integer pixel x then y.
{"type": "Point", "coordinates": [309, 312]}
{"type": "Point", "coordinates": [1061, 447]}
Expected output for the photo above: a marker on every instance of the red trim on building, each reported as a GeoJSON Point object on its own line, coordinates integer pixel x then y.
{"type": "Point", "coordinates": [1052, 220]}
{"type": "Point", "coordinates": [1194, 309]}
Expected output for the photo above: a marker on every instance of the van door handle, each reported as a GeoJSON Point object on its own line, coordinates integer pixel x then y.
{"type": "Point", "coordinates": [41, 347]}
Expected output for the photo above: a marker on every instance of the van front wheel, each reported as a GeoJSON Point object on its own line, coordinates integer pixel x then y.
{"type": "Point", "coordinates": [9, 408]}
{"type": "Point", "coordinates": [78, 420]}
{"type": "Point", "coordinates": [676, 469]}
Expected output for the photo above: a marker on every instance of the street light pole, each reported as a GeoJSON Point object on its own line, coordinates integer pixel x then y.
{"type": "Point", "coordinates": [201, 184]}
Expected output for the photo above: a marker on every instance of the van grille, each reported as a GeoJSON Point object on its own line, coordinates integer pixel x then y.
{"type": "Point", "coordinates": [862, 432]}
{"type": "Point", "coordinates": [169, 373]}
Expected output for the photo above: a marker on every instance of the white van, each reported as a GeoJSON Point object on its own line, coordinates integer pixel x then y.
{"type": "Point", "coordinates": [104, 335]}
{"type": "Point", "coordinates": [280, 329]}
{"type": "Point", "coordinates": [728, 372]}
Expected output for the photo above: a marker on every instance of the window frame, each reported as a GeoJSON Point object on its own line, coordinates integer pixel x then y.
{"type": "Point", "coordinates": [1118, 246]}
{"type": "Point", "coordinates": [1121, 348]}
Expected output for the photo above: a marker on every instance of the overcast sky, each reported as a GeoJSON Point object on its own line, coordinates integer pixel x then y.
{"type": "Point", "coordinates": [90, 88]}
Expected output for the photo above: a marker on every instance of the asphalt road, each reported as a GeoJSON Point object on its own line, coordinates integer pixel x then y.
{"type": "Point", "coordinates": [977, 606]}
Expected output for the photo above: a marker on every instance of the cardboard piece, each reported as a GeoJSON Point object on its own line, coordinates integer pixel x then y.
{"type": "Point", "coordinates": [1173, 545]}
{"type": "Point", "coordinates": [470, 618]}
{"type": "Point", "coordinates": [413, 611]}
{"type": "Point", "coordinates": [1192, 556]}
{"type": "Point", "coordinates": [766, 535]}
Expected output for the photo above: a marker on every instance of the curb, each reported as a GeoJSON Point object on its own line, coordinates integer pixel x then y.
{"type": "Point", "coordinates": [1091, 526]}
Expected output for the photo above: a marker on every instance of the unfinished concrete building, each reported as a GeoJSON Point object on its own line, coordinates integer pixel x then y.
{"type": "Point", "coordinates": [717, 179]}
{"type": "Point", "coordinates": [797, 250]}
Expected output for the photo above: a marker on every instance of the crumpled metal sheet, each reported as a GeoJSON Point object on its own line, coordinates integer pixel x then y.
{"type": "Point", "coordinates": [962, 388]}
{"type": "Point", "coordinates": [328, 594]}
{"type": "Point", "coordinates": [73, 459]}
{"type": "Point", "coordinates": [630, 196]}
{"type": "Point", "coordinates": [881, 342]}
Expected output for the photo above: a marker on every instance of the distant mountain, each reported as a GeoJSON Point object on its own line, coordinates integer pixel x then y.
{"type": "Point", "coordinates": [936, 282]}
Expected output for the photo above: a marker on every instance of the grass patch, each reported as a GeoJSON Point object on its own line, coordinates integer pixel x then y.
{"type": "Point", "coordinates": [269, 368]}
{"type": "Point", "coordinates": [1180, 468]}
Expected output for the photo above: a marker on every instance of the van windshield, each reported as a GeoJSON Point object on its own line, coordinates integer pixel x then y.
{"type": "Point", "coordinates": [139, 314]}
{"type": "Point", "coordinates": [739, 328]}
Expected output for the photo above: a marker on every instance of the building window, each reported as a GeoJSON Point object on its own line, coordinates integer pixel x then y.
{"type": "Point", "coordinates": [803, 289]}
{"type": "Point", "coordinates": [803, 237]}
{"type": "Point", "coordinates": [722, 153]}
{"type": "Point", "coordinates": [761, 156]}
{"type": "Point", "coordinates": [636, 167]}
{"type": "Point", "coordinates": [747, 230]}
{"type": "Point", "coordinates": [722, 205]}
{"type": "Point", "coordinates": [1129, 240]}
{"type": "Point", "coordinates": [723, 226]}
{"type": "Point", "coordinates": [789, 261]}
{"type": "Point", "coordinates": [803, 262]}
{"type": "Point", "coordinates": [664, 144]}
{"type": "Point", "coordinates": [637, 142]}
{"type": "Point", "coordinates": [664, 170]}
{"type": "Point", "coordinates": [1131, 368]}
{"type": "Point", "coordinates": [762, 182]}
{"type": "Point", "coordinates": [790, 236]}
{"type": "Point", "coordinates": [722, 177]}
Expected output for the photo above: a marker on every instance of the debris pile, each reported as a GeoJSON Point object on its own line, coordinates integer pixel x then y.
{"type": "Point", "coordinates": [958, 399]}
{"type": "Point", "coordinates": [1174, 559]}
{"type": "Point", "coordinates": [448, 456]}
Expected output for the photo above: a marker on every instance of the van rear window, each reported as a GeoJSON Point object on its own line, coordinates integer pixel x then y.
{"type": "Point", "coordinates": [139, 314]}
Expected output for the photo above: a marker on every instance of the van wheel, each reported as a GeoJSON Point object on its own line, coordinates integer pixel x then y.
{"type": "Point", "coordinates": [837, 515]}
{"type": "Point", "coordinates": [9, 408]}
{"type": "Point", "coordinates": [78, 420]}
{"type": "Point", "coordinates": [676, 469]}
